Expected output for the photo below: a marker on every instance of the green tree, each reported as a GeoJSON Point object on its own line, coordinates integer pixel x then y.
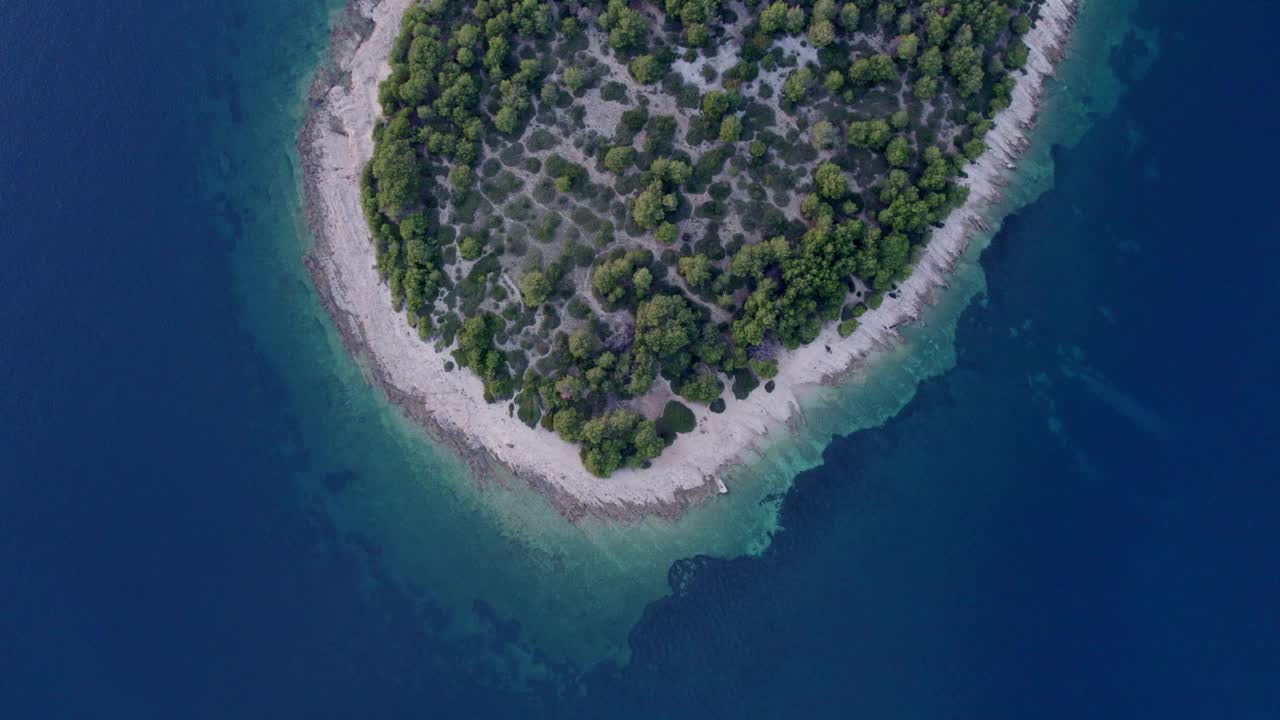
{"type": "Point", "coordinates": [461, 177]}
{"type": "Point", "coordinates": [568, 424]}
{"type": "Point", "coordinates": [822, 33]}
{"type": "Point", "coordinates": [795, 20]}
{"type": "Point", "coordinates": [908, 48]}
{"type": "Point", "coordinates": [773, 18]}
{"type": "Point", "coordinates": [641, 281]}
{"type": "Point", "coordinates": [730, 129]}
{"type": "Point", "coordinates": [573, 79]}
{"type": "Point", "coordinates": [695, 269]}
{"type": "Point", "coordinates": [850, 16]}
{"type": "Point", "coordinates": [833, 82]}
{"type": "Point", "coordinates": [695, 35]}
{"type": "Point", "coordinates": [701, 388]}
{"type": "Point", "coordinates": [581, 342]}
{"type": "Point", "coordinates": [905, 23]}
{"type": "Point", "coordinates": [665, 325]}
{"type": "Point", "coordinates": [766, 369]}
{"type": "Point", "coordinates": [715, 103]}
{"type": "Point", "coordinates": [824, 10]}
{"type": "Point", "coordinates": [831, 182]}
{"type": "Point", "coordinates": [822, 134]}
{"type": "Point", "coordinates": [645, 69]}
{"type": "Point", "coordinates": [753, 260]}
{"type": "Point", "coordinates": [399, 176]}
{"type": "Point", "coordinates": [797, 85]}
{"type": "Point", "coordinates": [506, 119]}
{"type": "Point", "coordinates": [568, 387]}
{"type": "Point", "coordinates": [651, 205]}
{"type": "Point", "coordinates": [930, 62]}
{"type": "Point", "coordinates": [627, 28]}
{"type": "Point", "coordinates": [1015, 56]}
{"type": "Point", "coordinates": [898, 152]}
{"type": "Point", "coordinates": [974, 148]}
{"type": "Point", "coordinates": [868, 71]}
{"type": "Point", "coordinates": [470, 248]}
{"type": "Point", "coordinates": [618, 439]}
{"type": "Point", "coordinates": [868, 134]}
{"type": "Point", "coordinates": [534, 288]}
{"type": "Point", "coordinates": [618, 158]}
{"type": "Point", "coordinates": [674, 172]}
{"type": "Point", "coordinates": [925, 88]}
{"type": "Point", "coordinates": [476, 351]}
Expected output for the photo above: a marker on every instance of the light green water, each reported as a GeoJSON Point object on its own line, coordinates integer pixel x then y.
{"type": "Point", "coordinates": [575, 589]}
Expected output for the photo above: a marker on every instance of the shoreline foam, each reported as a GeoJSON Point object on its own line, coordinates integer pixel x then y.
{"type": "Point", "coordinates": [336, 141]}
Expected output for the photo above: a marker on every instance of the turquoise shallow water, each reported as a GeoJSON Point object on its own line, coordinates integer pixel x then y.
{"type": "Point", "coordinates": [582, 586]}
{"type": "Point", "coordinates": [1051, 501]}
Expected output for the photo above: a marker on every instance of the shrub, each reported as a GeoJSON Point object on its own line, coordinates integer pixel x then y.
{"type": "Point", "coordinates": [614, 91]}
{"type": "Point", "coordinates": [744, 381]}
{"type": "Point", "coordinates": [676, 418]}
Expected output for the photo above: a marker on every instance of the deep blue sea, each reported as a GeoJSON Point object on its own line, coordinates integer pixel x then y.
{"type": "Point", "coordinates": [1081, 518]}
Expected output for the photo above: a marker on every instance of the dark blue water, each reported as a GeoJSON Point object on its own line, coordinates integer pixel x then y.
{"type": "Point", "coordinates": [1081, 519]}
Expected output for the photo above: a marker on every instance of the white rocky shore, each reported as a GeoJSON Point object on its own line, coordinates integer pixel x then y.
{"type": "Point", "coordinates": [336, 142]}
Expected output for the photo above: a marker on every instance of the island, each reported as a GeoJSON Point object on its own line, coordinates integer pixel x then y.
{"type": "Point", "coordinates": [608, 245]}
